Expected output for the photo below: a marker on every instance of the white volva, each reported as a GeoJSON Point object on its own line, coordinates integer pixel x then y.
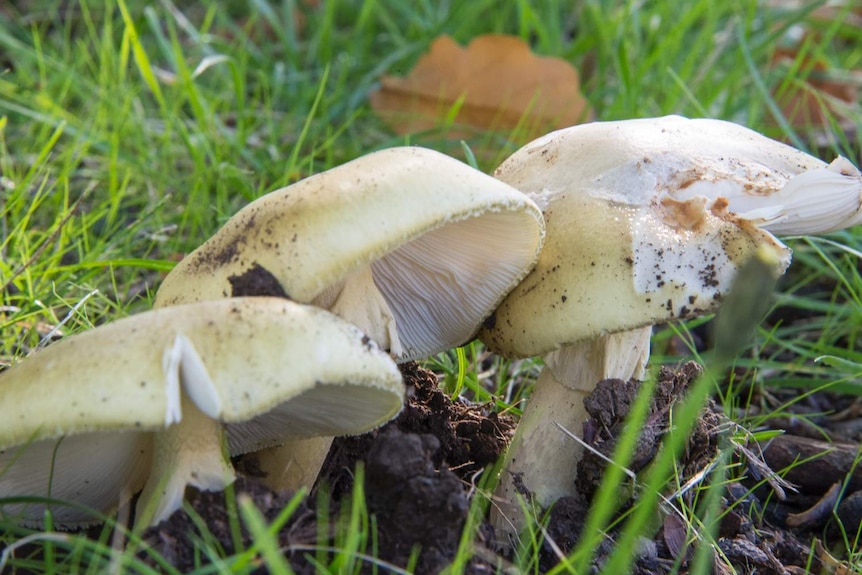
{"type": "Point", "coordinates": [647, 221]}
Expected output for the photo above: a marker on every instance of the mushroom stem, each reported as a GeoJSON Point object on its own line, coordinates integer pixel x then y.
{"type": "Point", "coordinates": [541, 456]}
{"type": "Point", "coordinates": [296, 462]}
{"type": "Point", "coordinates": [293, 464]}
{"type": "Point", "coordinates": [358, 300]}
{"type": "Point", "coordinates": [187, 453]}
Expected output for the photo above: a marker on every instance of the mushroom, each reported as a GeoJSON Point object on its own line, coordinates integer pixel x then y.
{"type": "Point", "coordinates": [647, 221]}
{"type": "Point", "coordinates": [147, 401]}
{"type": "Point", "coordinates": [412, 246]}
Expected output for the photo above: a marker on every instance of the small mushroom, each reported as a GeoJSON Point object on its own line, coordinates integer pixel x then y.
{"type": "Point", "coordinates": [148, 400]}
{"type": "Point", "coordinates": [647, 221]}
{"type": "Point", "coordinates": [412, 246]}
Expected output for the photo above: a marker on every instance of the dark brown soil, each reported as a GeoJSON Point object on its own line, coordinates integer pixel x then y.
{"type": "Point", "coordinates": [256, 281]}
{"type": "Point", "coordinates": [754, 534]}
{"type": "Point", "coordinates": [421, 471]}
{"type": "Point", "coordinates": [471, 437]}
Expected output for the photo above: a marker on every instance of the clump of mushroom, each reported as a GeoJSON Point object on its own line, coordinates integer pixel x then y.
{"type": "Point", "coordinates": [147, 401]}
{"type": "Point", "coordinates": [412, 246]}
{"type": "Point", "coordinates": [647, 221]}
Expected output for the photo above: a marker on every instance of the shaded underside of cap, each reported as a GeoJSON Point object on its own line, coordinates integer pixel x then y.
{"type": "Point", "coordinates": [256, 353]}
{"type": "Point", "coordinates": [95, 470]}
{"type": "Point", "coordinates": [325, 410]}
{"type": "Point", "coordinates": [442, 285]}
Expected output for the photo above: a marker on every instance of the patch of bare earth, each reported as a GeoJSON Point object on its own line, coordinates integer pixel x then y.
{"type": "Point", "coordinates": [420, 473]}
{"type": "Point", "coordinates": [789, 500]}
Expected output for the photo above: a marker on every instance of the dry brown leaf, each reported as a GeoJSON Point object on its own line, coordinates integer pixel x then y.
{"type": "Point", "coordinates": [831, 565]}
{"type": "Point", "coordinates": [675, 534]}
{"type": "Point", "coordinates": [810, 102]}
{"type": "Point", "coordinates": [495, 83]}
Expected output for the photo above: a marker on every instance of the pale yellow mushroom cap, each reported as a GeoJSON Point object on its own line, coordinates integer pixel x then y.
{"type": "Point", "coordinates": [268, 368]}
{"type": "Point", "coordinates": [648, 221]}
{"type": "Point", "coordinates": [441, 242]}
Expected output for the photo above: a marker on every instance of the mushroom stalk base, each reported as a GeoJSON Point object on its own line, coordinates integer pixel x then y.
{"type": "Point", "coordinates": [541, 460]}
{"type": "Point", "coordinates": [293, 464]}
{"type": "Point", "coordinates": [187, 453]}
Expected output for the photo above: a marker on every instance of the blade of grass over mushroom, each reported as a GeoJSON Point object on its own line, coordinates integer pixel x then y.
{"type": "Point", "coordinates": [756, 284]}
{"type": "Point", "coordinates": [744, 307]}
{"type": "Point", "coordinates": [648, 221]}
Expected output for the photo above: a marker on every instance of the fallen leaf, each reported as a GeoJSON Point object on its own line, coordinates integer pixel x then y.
{"type": "Point", "coordinates": [496, 83]}
{"type": "Point", "coordinates": [675, 534]}
{"type": "Point", "coordinates": [811, 102]}
{"type": "Point", "coordinates": [818, 94]}
{"type": "Point", "coordinates": [831, 565]}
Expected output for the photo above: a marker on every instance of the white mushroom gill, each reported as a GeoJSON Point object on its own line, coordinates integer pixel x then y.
{"type": "Point", "coordinates": [325, 410]}
{"type": "Point", "coordinates": [432, 289]}
{"type": "Point", "coordinates": [438, 284]}
{"type": "Point", "coordinates": [358, 300]}
{"type": "Point", "coordinates": [88, 469]}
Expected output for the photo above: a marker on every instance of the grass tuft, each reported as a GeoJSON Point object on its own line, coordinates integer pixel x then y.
{"type": "Point", "coordinates": [129, 132]}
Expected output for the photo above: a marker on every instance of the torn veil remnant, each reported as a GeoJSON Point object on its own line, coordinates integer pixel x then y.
{"type": "Point", "coordinates": [647, 221]}
{"type": "Point", "coordinates": [154, 395]}
{"type": "Point", "coordinates": [412, 246]}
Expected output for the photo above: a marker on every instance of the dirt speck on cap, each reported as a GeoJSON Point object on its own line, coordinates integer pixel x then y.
{"type": "Point", "coordinates": [256, 281]}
